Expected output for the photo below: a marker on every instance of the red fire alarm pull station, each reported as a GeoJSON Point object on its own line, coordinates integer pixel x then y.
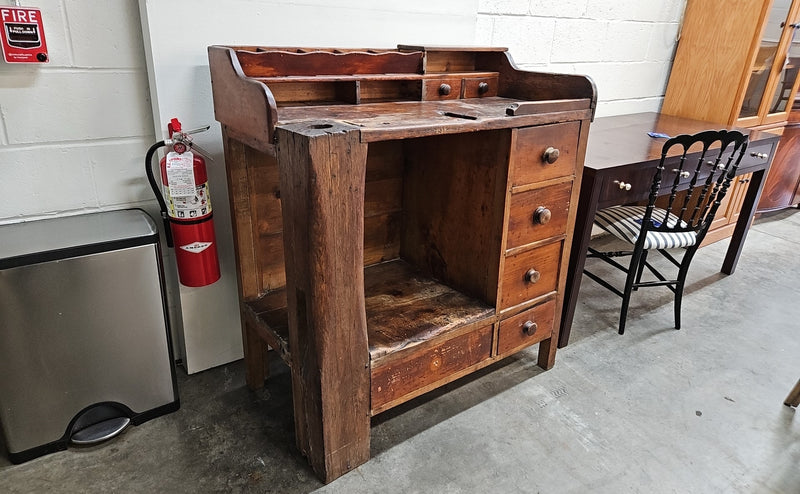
{"type": "Point", "coordinates": [23, 35]}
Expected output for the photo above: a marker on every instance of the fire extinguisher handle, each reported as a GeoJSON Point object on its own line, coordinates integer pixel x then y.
{"type": "Point", "coordinates": [148, 167]}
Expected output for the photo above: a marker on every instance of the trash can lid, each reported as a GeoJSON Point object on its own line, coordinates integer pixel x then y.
{"type": "Point", "coordinates": [30, 242]}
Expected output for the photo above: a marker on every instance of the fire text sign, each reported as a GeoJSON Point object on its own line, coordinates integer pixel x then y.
{"type": "Point", "coordinates": [23, 35]}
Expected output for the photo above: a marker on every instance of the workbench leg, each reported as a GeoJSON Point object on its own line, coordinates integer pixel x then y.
{"type": "Point", "coordinates": [255, 357]}
{"type": "Point", "coordinates": [793, 399]}
{"type": "Point", "coordinates": [322, 169]}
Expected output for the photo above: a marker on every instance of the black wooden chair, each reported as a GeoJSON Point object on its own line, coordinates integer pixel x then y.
{"type": "Point", "coordinates": [705, 163]}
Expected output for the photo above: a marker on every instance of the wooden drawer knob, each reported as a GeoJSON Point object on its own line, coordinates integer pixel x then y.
{"type": "Point", "coordinates": [444, 89]}
{"type": "Point", "coordinates": [529, 327]}
{"type": "Point", "coordinates": [542, 215]}
{"type": "Point", "coordinates": [551, 155]}
{"type": "Point", "coordinates": [532, 276]}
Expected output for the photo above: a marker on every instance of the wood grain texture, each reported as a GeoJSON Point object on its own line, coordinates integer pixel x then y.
{"type": "Point", "coordinates": [513, 335]}
{"type": "Point", "coordinates": [712, 62]}
{"type": "Point", "coordinates": [406, 308]}
{"type": "Point", "coordinates": [402, 378]}
{"type": "Point", "coordinates": [291, 63]}
{"type": "Point", "coordinates": [323, 168]}
{"type": "Point", "coordinates": [453, 199]}
{"type": "Point", "coordinates": [529, 144]}
{"type": "Point", "coordinates": [783, 178]}
{"type": "Point", "coordinates": [517, 288]}
{"type": "Point", "coordinates": [245, 106]}
{"type": "Point", "coordinates": [523, 225]}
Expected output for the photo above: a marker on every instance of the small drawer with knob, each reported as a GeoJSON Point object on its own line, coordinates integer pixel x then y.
{"type": "Point", "coordinates": [526, 328]}
{"type": "Point", "coordinates": [538, 214]}
{"type": "Point", "coordinates": [441, 89]}
{"type": "Point", "coordinates": [530, 274]}
{"type": "Point", "coordinates": [543, 153]}
{"type": "Point", "coordinates": [480, 87]}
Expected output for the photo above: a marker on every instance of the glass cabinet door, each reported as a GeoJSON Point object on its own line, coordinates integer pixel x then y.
{"type": "Point", "coordinates": [780, 98]}
{"type": "Point", "coordinates": [766, 58]}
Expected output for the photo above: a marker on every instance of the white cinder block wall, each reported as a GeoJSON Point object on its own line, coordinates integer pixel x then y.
{"type": "Point", "coordinates": [625, 46]}
{"type": "Point", "coordinates": [73, 132]}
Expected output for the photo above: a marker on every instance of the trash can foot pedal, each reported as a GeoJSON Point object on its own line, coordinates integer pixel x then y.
{"type": "Point", "coordinates": [100, 431]}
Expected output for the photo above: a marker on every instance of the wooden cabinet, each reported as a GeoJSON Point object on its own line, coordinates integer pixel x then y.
{"type": "Point", "coordinates": [402, 218]}
{"type": "Point", "coordinates": [737, 63]}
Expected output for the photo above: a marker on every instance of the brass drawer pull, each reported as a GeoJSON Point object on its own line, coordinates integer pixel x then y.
{"type": "Point", "coordinates": [623, 185]}
{"type": "Point", "coordinates": [542, 215]}
{"type": "Point", "coordinates": [683, 174]}
{"type": "Point", "coordinates": [762, 156]}
{"type": "Point", "coordinates": [529, 328]}
{"type": "Point", "coordinates": [532, 276]}
{"type": "Point", "coordinates": [551, 155]}
{"type": "Point", "coordinates": [444, 89]}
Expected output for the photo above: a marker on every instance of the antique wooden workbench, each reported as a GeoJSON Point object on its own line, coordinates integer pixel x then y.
{"type": "Point", "coordinates": [402, 218]}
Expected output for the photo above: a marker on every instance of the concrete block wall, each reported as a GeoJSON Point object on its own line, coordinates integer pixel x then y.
{"type": "Point", "coordinates": [625, 46]}
{"type": "Point", "coordinates": [73, 132]}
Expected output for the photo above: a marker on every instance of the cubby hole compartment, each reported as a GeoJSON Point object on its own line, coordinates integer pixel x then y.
{"type": "Point", "coordinates": [433, 219]}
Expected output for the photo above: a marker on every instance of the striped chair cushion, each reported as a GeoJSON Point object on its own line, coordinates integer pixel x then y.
{"type": "Point", "coordinates": [625, 223]}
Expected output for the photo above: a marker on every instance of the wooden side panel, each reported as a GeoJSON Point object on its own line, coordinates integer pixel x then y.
{"type": "Point", "coordinates": [245, 106]}
{"type": "Point", "coordinates": [323, 168]}
{"type": "Point", "coordinates": [784, 173]}
{"type": "Point", "coordinates": [266, 219]}
{"type": "Point", "coordinates": [712, 62]}
{"type": "Point", "coordinates": [454, 197]}
{"type": "Point", "coordinates": [383, 202]}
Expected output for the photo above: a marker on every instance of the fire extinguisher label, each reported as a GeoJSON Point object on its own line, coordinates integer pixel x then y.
{"type": "Point", "coordinates": [196, 247]}
{"type": "Point", "coordinates": [180, 174]}
{"type": "Point", "coordinates": [189, 207]}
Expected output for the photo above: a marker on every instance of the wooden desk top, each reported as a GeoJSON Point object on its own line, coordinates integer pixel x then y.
{"type": "Point", "coordinates": [620, 140]}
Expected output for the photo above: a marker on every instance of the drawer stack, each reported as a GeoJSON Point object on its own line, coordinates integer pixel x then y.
{"type": "Point", "coordinates": [542, 168]}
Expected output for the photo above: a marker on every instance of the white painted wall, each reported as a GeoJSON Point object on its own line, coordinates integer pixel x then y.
{"type": "Point", "coordinates": [625, 46]}
{"type": "Point", "coordinates": [73, 132]}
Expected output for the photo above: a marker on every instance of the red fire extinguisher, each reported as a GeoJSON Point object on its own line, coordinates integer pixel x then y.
{"type": "Point", "coordinates": [186, 207]}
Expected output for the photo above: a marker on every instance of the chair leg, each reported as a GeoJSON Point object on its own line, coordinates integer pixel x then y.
{"type": "Point", "coordinates": [793, 400]}
{"type": "Point", "coordinates": [641, 269]}
{"type": "Point", "coordinates": [633, 269]}
{"type": "Point", "coordinates": [681, 282]}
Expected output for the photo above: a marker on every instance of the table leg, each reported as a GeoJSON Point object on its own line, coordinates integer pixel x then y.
{"type": "Point", "coordinates": [587, 207]}
{"type": "Point", "coordinates": [743, 223]}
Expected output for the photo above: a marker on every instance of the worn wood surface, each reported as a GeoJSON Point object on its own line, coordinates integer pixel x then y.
{"type": "Point", "coordinates": [323, 169]}
{"type": "Point", "coordinates": [406, 308]}
{"type": "Point", "coordinates": [404, 377]}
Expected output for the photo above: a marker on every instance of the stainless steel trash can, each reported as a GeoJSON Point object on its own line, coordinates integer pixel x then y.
{"type": "Point", "coordinates": [84, 335]}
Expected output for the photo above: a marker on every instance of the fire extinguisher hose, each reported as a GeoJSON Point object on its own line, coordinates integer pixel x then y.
{"type": "Point", "coordinates": [148, 167]}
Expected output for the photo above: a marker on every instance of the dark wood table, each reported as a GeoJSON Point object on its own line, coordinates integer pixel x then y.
{"type": "Point", "coordinates": [621, 151]}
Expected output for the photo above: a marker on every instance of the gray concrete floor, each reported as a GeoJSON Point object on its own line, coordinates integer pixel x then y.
{"type": "Point", "coordinates": [657, 410]}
